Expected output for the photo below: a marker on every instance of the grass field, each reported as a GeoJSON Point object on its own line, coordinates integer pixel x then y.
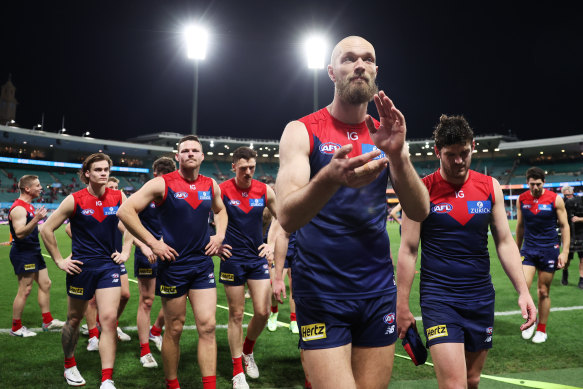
{"type": "Point", "coordinates": [38, 362]}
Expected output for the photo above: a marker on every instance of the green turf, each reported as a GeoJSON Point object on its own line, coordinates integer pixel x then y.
{"type": "Point", "coordinates": [37, 362]}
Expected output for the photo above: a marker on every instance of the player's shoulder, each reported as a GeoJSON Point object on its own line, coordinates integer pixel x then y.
{"type": "Point", "coordinates": [227, 184]}
{"type": "Point", "coordinates": [430, 179]}
{"type": "Point", "coordinates": [315, 117]}
{"type": "Point", "coordinates": [480, 177]}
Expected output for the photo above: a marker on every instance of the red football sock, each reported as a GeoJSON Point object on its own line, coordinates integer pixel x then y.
{"type": "Point", "coordinates": [541, 327]}
{"type": "Point", "coordinates": [308, 385]}
{"type": "Point", "coordinates": [209, 382]}
{"type": "Point", "coordinates": [292, 316]}
{"type": "Point", "coordinates": [172, 384]}
{"type": "Point", "coordinates": [70, 362]}
{"type": "Point", "coordinates": [106, 374]}
{"type": "Point", "coordinates": [156, 331]}
{"type": "Point", "coordinates": [144, 349]}
{"type": "Point", "coordinates": [47, 317]}
{"type": "Point", "coordinates": [248, 346]}
{"type": "Point", "coordinates": [274, 309]}
{"type": "Point", "coordinates": [97, 319]}
{"type": "Point", "coordinates": [237, 365]}
{"type": "Point", "coordinates": [16, 324]}
{"type": "Point", "coordinates": [94, 332]}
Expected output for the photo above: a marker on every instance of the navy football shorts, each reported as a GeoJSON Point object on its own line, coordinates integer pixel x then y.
{"type": "Point", "coordinates": [288, 262]}
{"type": "Point", "coordinates": [326, 323]}
{"type": "Point", "coordinates": [176, 279]}
{"type": "Point", "coordinates": [237, 272]}
{"type": "Point", "coordinates": [92, 277]}
{"type": "Point", "coordinates": [122, 269]}
{"type": "Point", "coordinates": [142, 267]}
{"type": "Point", "coordinates": [470, 323]}
{"type": "Point", "coordinates": [27, 262]}
{"type": "Point", "coordinates": [542, 259]}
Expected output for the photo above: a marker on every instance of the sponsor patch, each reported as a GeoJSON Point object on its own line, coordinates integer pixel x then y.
{"type": "Point", "coordinates": [204, 195]}
{"type": "Point", "coordinates": [545, 207]}
{"type": "Point", "coordinates": [168, 289]}
{"type": "Point", "coordinates": [107, 211]}
{"type": "Point", "coordinates": [144, 271]}
{"type": "Point", "coordinates": [227, 277]}
{"type": "Point", "coordinates": [366, 148]}
{"type": "Point", "coordinates": [30, 266]}
{"type": "Point", "coordinates": [436, 331]}
{"type": "Point", "coordinates": [442, 208]}
{"type": "Point", "coordinates": [479, 207]}
{"type": "Point", "coordinates": [180, 195]}
{"type": "Point", "coordinates": [76, 290]}
{"type": "Point", "coordinates": [87, 212]}
{"type": "Point", "coordinates": [256, 202]}
{"type": "Point", "coordinates": [329, 147]}
{"type": "Point", "coordinates": [313, 332]}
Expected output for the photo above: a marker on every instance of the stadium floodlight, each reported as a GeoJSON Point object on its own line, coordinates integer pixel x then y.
{"type": "Point", "coordinates": [196, 44]}
{"type": "Point", "coordinates": [315, 49]}
{"type": "Point", "coordinates": [86, 133]}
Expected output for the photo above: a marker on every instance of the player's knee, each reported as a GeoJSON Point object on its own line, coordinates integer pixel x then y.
{"type": "Point", "coordinates": [543, 293]}
{"type": "Point", "coordinates": [174, 327]}
{"type": "Point", "coordinates": [45, 285]}
{"type": "Point", "coordinates": [206, 329]}
{"type": "Point", "coordinates": [25, 290]}
{"type": "Point", "coordinates": [236, 315]}
{"type": "Point", "coordinates": [262, 315]}
{"type": "Point", "coordinates": [473, 382]}
{"type": "Point", "coordinates": [146, 302]}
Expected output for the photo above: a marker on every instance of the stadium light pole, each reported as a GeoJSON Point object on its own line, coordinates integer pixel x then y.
{"type": "Point", "coordinates": [315, 49]}
{"type": "Point", "coordinates": [196, 44]}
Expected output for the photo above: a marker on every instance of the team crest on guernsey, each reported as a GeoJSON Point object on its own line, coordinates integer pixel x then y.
{"type": "Point", "coordinates": [329, 147]}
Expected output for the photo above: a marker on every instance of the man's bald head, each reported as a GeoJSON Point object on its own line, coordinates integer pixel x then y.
{"type": "Point", "coordinates": [351, 43]}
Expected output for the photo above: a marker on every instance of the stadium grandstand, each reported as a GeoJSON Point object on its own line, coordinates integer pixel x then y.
{"type": "Point", "coordinates": [56, 158]}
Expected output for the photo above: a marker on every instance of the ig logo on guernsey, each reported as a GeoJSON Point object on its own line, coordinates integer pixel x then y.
{"type": "Point", "coordinates": [329, 147]}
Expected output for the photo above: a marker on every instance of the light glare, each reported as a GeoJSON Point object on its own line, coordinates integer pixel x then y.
{"type": "Point", "coordinates": [315, 47]}
{"type": "Point", "coordinates": [196, 42]}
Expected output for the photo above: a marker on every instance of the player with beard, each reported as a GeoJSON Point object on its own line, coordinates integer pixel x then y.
{"type": "Point", "coordinates": [331, 187]}
{"type": "Point", "coordinates": [538, 211]}
{"type": "Point", "coordinates": [183, 199]}
{"type": "Point", "coordinates": [456, 291]}
{"type": "Point", "coordinates": [25, 255]}
{"type": "Point", "coordinates": [94, 268]}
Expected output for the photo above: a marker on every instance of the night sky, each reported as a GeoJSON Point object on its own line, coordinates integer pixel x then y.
{"type": "Point", "coordinates": [119, 69]}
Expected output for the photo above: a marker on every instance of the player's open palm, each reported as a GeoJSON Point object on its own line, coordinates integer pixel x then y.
{"type": "Point", "coordinates": [214, 245]}
{"type": "Point", "coordinates": [390, 135]}
{"type": "Point", "coordinates": [163, 251]}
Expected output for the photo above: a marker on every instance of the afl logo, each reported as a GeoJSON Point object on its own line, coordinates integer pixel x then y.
{"type": "Point", "coordinates": [329, 147]}
{"type": "Point", "coordinates": [235, 202]}
{"type": "Point", "coordinates": [390, 318]}
{"type": "Point", "coordinates": [180, 195]}
{"type": "Point", "coordinates": [441, 208]}
{"type": "Point", "coordinates": [87, 212]}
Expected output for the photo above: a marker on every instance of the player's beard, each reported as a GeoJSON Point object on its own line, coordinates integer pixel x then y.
{"type": "Point", "coordinates": [355, 92]}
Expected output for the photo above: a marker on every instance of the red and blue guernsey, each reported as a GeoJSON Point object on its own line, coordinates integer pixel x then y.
{"type": "Point", "coordinates": [185, 211]}
{"type": "Point", "coordinates": [29, 243]}
{"type": "Point", "coordinates": [94, 226]}
{"type": "Point", "coordinates": [245, 211]}
{"type": "Point", "coordinates": [151, 221]}
{"type": "Point", "coordinates": [343, 252]}
{"type": "Point", "coordinates": [455, 263]}
{"type": "Point", "coordinates": [540, 220]}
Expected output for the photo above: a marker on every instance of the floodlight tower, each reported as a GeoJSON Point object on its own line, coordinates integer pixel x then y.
{"type": "Point", "coordinates": [315, 49]}
{"type": "Point", "coordinates": [196, 44]}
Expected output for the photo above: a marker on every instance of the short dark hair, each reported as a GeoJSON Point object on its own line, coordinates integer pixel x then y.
{"type": "Point", "coordinates": [535, 173]}
{"type": "Point", "coordinates": [245, 153]}
{"type": "Point", "coordinates": [26, 181]}
{"type": "Point", "coordinates": [187, 138]}
{"type": "Point", "coordinates": [452, 130]}
{"type": "Point", "coordinates": [163, 165]}
{"type": "Point", "coordinates": [90, 160]}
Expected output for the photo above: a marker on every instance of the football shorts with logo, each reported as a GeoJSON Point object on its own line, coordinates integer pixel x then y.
{"type": "Point", "coordinates": [122, 269]}
{"type": "Point", "coordinates": [326, 323]}
{"type": "Point", "coordinates": [142, 267]}
{"type": "Point", "coordinates": [542, 259]}
{"type": "Point", "coordinates": [176, 279]}
{"type": "Point", "coordinates": [469, 322]}
{"type": "Point", "coordinates": [27, 262]}
{"type": "Point", "coordinates": [94, 275]}
{"type": "Point", "coordinates": [235, 272]}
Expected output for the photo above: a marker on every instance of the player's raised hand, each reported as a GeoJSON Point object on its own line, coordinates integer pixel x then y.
{"type": "Point", "coordinates": [119, 258]}
{"type": "Point", "coordinates": [214, 245]}
{"type": "Point", "coordinates": [356, 171]}
{"type": "Point", "coordinates": [163, 251]}
{"type": "Point", "coordinates": [40, 213]}
{"type": "Point", "coordinates": [390, 135]}
{"type": "Point", "coordinates": [69, 265]}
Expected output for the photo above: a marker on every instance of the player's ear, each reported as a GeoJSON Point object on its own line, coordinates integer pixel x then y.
{"type": "Point", "coordinates": [331, 73]}
{"type": "Point", "coordinates": [436, 150]}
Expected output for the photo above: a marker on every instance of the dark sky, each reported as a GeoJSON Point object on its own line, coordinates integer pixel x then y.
{"type": "Point", "coordinates": [118, 68]}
